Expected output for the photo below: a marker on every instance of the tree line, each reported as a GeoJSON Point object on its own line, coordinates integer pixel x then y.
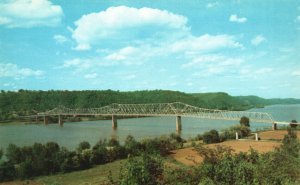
{"type": "Point", "coordinates": [45, 159]}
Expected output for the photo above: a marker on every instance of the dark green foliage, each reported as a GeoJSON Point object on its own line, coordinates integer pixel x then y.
{"type": "Point", "coordinates": [142, 170]}
{"type": "Point", "coordinates": [13, 154]}
{"type": "Point", "coordinates": [1, 153]}
{"type": "Point", "coordinates": [7, 171]}
{"type": "Point", "coordinates": [132, 147]}
{"type": "Point", "coordinates": [99, 152]}
{"type": "Point", "coordinates": [222, 166]}
{"type": "Point", "coordinates": [244, 121]}
{"type": "Point", "coordinates": [211, 137]}
{"type": "Point", "coordinates": [181, 176]}
{"type": "Point", "coordinates": [160, 146]}
{"type": "Point", "coordinates": [83, 145]}
{"type": "Point", "coordinates": [293, 125]}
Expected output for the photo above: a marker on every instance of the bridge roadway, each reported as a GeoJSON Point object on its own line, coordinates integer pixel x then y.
{"type": "Point", "coordinates": [159, 109]}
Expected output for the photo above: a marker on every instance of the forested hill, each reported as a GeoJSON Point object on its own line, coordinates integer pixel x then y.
{"type": "Point", "coordinates": [25, 102]}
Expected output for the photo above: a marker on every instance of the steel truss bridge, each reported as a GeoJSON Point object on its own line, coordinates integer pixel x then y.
{"type": "Point", "coordinates": [161, 109]}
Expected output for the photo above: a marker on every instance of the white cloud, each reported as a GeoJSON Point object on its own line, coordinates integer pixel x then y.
{"type": "Point", "coordinates": [212, 5]}
{"type": "Point", "coordinates": [205, 42]}
{"type": "Point", "coordinates": [91, 76]}
{"type": "Point", "coordinates": [115, 21]}
{"type": "Point", "coordinates": [29, 13]}
{"type": "Point", "coordinates": [235, 18]}
{"type": "Point", "coordinates": [60, 39]}
{"type": "Point", "coordinates": [14, 71]}
{"type": "Point", "coordinates": [78, 63]}
{"type": "Point", "coordinates": [258, 40]}
{"type": "Point", "coordinates": [122, 54]}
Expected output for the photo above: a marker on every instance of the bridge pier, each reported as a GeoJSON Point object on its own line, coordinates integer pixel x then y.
{"type": "Point", "coordinates": [274, 126]}
{"type": "Point", "coordinates": [114, 122]}
{"type": "Point", "coordinates": [178, 123]}
{"type": "Point", "coordinates": [45, 120]}
{"type": "Point", "coordinates": [60, 120]}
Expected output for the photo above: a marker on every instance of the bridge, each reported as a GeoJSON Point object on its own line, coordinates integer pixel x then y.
{"type": "Point", "coordinates": [158, 109]}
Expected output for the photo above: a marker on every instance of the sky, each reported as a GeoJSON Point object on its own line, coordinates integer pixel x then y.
{"type": "Point", "coordinates": [242, 47]}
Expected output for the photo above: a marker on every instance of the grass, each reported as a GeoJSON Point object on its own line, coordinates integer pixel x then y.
{"type": "Point", "coordinates": [96, 175]}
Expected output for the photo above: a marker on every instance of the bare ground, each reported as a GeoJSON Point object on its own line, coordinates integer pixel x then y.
{"type": "Point", "coordinates": [189, 156]}
{"type": "Point", "coordinates": [275, 134]}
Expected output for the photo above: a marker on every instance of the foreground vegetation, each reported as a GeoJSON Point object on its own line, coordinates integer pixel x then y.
{"type": "Point", "coordinates": [27, 102]}
{"type": "Point", "coordinates": [147, 163]}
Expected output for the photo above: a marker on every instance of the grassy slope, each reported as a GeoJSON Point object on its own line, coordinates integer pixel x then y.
{"type": "Point", "coordinates": [95, 175]}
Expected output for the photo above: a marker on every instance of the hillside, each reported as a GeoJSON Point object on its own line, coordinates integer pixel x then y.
{"type": "Point", "coordinates": [27, 102]}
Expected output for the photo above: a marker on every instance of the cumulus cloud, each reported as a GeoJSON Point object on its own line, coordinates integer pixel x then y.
{"type": "Point", "coordinates": [257, 40]}
{"type": "Point", "coordinates": [14, 71]}
{"type": "Point", "coordinates": [29, 13]}
{"type": "Point", "coordinates": [60, 39]}
{"type": "Point", "coordinates": [205, 42]}
{"type": "Point", "coordinates": [235, 18]}
{"type": "Point", "coordinates": [113, 21]}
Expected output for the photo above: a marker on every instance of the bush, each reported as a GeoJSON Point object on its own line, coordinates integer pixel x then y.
{"type": "Point", "coordinates": [230, 133]}
{"type": "Point", "coordinates": [142, 170]}
{"type": "Point", "coordinates": [245, 121]}
{"type": "Point", "coordinates": [211, 137]}
{"type": "Point", "coordinates": [132, 147]}
{"type": "Point", "coordinates": [293, 125]}
{"type": "Point", "coordinates": [83, 146]}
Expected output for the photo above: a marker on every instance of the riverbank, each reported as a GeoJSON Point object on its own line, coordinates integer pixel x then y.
{"type": "Point", "coordinates": [185, 156]}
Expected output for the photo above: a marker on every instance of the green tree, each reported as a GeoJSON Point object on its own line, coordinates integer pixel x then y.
{"type": "Point", "coordinates": [83, 146]}
{"type": "Point", "coordinates": [245, 121]}
{"type": "Point", "coordinates": [293, 125]}
{"type": "Point", "coordinates": [132, 146]}
{"type": "Point", "coordinates": [211, 137]}
{"type": "Point", "coordinates": [142, 170]}
{"type": "Point", "coordinates": [13, 154]}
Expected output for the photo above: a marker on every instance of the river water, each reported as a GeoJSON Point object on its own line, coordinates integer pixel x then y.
{"type": "Point", "coordinates": [73, 133]}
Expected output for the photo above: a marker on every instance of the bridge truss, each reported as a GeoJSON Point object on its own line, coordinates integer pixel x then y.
{"type": "Point", "coordinates": [161, 109]}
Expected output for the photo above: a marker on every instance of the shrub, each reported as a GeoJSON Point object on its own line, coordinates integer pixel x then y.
{"type": "Point", "coordinates": [211, 137]}
{"type": "Point", "coordinates": [293, 125]}
{"type": "Point", "coordinates": [142, 170]}
{"type": "Point", "coordinates": [229, 134]}
{"type": "Point", "coordinates": [83, 146]}
{"type": "Point", "coordinates": [132, 146]}
{"type": "Point", "coordinates": [13, 154]}
{"type": "Point", "coordinates": [245, 121]}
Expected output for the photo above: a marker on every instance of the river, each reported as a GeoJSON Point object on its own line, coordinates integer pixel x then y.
{"type": "Point", "coordinates": [73, 133]}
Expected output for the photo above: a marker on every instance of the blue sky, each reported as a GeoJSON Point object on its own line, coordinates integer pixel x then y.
{"type": "Point", "coordinates": [248, 47]}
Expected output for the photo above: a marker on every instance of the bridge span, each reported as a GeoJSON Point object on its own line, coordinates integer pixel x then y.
{"type": "Point", "coordinates": [177, 109]}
